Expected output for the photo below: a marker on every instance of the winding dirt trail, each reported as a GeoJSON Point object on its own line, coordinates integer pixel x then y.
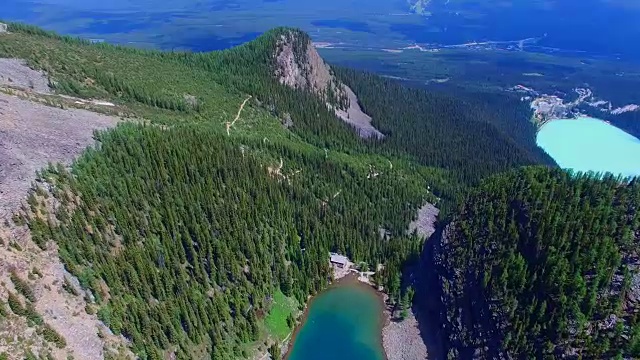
{"type": "Point", "coordinates": [240, 109]}
{"type": "Point", "coordinates": [230, 124]}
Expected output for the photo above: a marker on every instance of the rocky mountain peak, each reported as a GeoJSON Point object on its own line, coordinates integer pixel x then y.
{"type": "Point", "coordinates": [298, 65]}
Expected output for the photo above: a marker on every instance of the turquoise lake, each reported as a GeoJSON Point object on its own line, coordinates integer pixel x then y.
{"type": "Point", "coordinates": [343, 323]}
{"type": "Point", "coordinates": [588, 144]}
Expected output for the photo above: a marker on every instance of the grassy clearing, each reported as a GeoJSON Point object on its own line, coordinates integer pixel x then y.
{"type": "Point", "coordinates": [276, 320]}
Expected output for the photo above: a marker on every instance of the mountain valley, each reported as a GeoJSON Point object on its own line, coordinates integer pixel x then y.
{"type": "Point", "coordinates": [184, 205]}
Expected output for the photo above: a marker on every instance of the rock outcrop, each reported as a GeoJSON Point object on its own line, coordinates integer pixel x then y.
{"type": "Point", "coordinates": [299, 66]}
{"type": "Point", "coordinates": [424, 225]}
{"type": "Point", "coordinates": [3, 28]}
{"type": "Point", "coordinates": [402, 340]}
{"type": "Point", "coordinates": [480, 305]}
{"type": "Point", "coordinates": [15, 73]}
{"type": "Point", "coordinates": [357, 118]}
{"type": "Point", "coordinates": [468, 323]}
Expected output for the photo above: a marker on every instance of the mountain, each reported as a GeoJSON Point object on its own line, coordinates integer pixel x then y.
{"type": "Point", "coordinates": [201, 216]}
{"type": "Point", "coordinates": [226, 182]}
{"type": "Point", "coordinates": [540, 262]}
{"type": "Point", "coordinates": [481, 45]}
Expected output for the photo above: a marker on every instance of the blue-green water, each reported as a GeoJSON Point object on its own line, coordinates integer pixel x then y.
{"type": "Point", "coordinates": [587, 144]}
{"type": "Point", "coordinates": [343, 323]}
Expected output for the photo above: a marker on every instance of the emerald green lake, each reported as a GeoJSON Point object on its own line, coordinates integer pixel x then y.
{"type": "Point", "coordinates": [343, 323]}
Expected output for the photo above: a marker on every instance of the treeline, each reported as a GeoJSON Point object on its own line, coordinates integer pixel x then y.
{"type": "Point", "coordinates": [183, 243]}
{"type": "Point", "coordinates": [34, 30]}
{"type": "Point", "coordinates": [540, 264]}
{"type": "Point", "coordinates": [629, 122]}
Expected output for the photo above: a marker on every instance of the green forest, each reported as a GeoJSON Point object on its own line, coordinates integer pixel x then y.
{"type": "Point", "coordinates": [468, 136]}
{"type": "Point", "coordinates": [192, 238]}
{"type": "Point", "coordinates": [543, 261]}
{"type": "Point", "coordinates": [472, 135]}
{"type": "Point", "coordinates": [184, 234]}
{"type": "Point", "coordinates": [186, 231]}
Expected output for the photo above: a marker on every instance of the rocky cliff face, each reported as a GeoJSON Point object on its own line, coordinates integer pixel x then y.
{"type": "Point", "coordinates": [475, 326]}
{"type": "Point", "coordinates": [470, 323]}
{"type": "Point", "coordinates": [39, 128]}
{"type": "Point", "coordinates": [299, 66]}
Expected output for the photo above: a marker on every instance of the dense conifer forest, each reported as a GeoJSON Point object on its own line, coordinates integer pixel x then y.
{"type": "Point", "coordinates": [541, 262]}
{"type": "Point", "coordinates": [184, 242]}
{"type": "Point", "coordinates": [471, 137]}
{"type": "Point", "coordinates": [185, 233]}
{"type": "Point", "coordinates": [449, 131]}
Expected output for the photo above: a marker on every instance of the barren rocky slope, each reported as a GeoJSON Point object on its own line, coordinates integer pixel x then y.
{"type": "Point", "coordinates": [33, 135]}
{"type": "Point", "coordinates": [402, 340]}
{"type": "Point", "coordinates": [425, 223]}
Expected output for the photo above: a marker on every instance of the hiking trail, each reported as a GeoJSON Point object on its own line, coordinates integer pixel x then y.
{"type": "Point", "coordinates": [230, 124]}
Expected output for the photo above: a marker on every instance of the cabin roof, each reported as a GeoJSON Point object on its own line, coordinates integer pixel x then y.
{"type": "Point", "coordinates": [339, 259]}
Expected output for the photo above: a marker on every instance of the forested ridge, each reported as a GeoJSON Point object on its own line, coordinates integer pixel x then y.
{"type": "Point", "coordinates": [474, 135]}
{"type": "Point", "coordinates": [541, 263]}
{"type": "Point", "coordinates": [184, 234]}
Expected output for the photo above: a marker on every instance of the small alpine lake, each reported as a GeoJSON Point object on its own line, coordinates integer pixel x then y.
{"type": "Point", "coordinates": [343, 322]}
{"type": "Point", "coordinates": [588, 144]}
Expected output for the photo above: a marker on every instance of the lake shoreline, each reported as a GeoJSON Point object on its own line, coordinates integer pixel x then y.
{"type": "Point", "coordinates": [350, 279]}
{"type": "Point", "coordinates": [587, 144]}
{"type": "Point", "coordinates": [402, 339]}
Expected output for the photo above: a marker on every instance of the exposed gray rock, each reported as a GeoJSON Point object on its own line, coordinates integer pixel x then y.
{"type": "Point", "coordinates": [357, 118]}
{"type": "Point", "coordinates": [309, 73]}
{"type": "Point", "coordinates": [191, 101]}
{"type": "Point", "coordinates": [287, 122]}
{"type": "Point", "coordinates": [32, 135]}
{"type": "Point", "coordinates": [402, 340]}
{"type": "Point", "coordinates": [425, 222]}
{"type": "Point", "coordinates": [3, 28]}
{"type": "Point", "coordinates": [16, 73]}
{"type": "Point", "coordinates": [634, 291]}
{"type": "Point", "coordinates": [305, 70]}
